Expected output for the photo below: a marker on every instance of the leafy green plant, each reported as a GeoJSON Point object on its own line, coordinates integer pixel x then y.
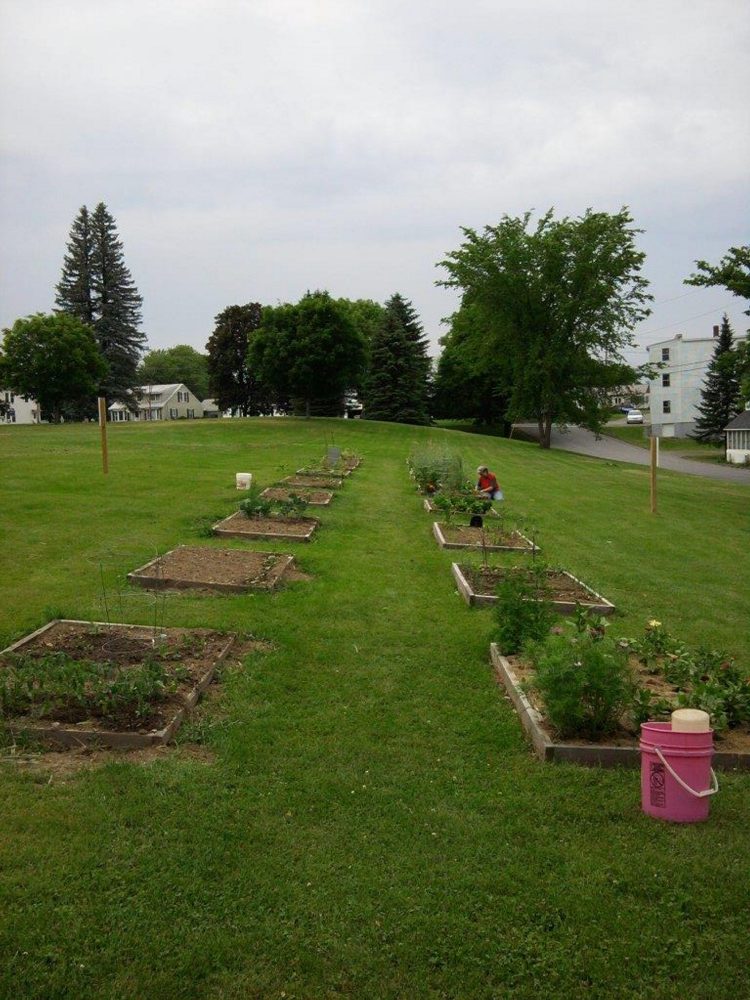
{"type": "Point", "coordinates": [586, 683]}
{"type": "Point", "coordinates": [436, 469]}
{"type": "Point", "coordinates": [523, 611]}
{"type": "Point", "coordinates": [644, 705]}
{"type": "Point", "coordinates": [255, 505]}
{"type": "Point", "coordinates": [293, 506]}
{"type": "Point", "coordinates": [58, 686]}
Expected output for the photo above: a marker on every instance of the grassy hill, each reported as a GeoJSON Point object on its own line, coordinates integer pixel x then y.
{"type": "Point", "coordinates": [367, 820]}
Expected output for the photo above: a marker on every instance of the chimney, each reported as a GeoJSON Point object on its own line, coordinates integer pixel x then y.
{"type": "Point", "coordinates": [678, 336]}
{"type": "Point", "coordinates": [716, 331]}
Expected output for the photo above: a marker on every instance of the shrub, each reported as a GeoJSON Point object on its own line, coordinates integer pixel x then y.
{"type": "Point", "coordinates": [255, 505]}
{"type": "Point", "coordinates": [523, 610]}
{"type": "Point", "coordinates": [585, 682]}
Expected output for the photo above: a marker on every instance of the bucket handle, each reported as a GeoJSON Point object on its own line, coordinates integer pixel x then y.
{"type": "Point", "coordinates": [698, 795]}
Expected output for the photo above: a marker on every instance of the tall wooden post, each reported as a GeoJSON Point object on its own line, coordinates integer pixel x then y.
{"type": "Point", "coordinates": [103, 429]}
{"type": "Point", "coordinates": [654, 449]}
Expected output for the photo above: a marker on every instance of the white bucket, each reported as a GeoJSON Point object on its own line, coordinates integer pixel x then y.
{"type": "Point", "coordinates": [244, 480]}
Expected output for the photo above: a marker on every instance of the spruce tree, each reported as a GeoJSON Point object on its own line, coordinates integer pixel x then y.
{"type": "Point", "coordinates": [74, 292]}
{"type": "Point", "coordinates": [396, 386]}
{"type": "Point", "coordinates": [98, 289]}
{"type": "Point", "coordinates": [720, 394]}
{"type": "Point", "coordinates": [397, 383]}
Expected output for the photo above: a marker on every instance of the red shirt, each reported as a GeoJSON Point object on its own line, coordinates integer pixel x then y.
{"type": "Point", "coordinates": [488, 481]}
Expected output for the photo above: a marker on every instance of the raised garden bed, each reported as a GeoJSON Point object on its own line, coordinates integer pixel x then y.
{"type": "Point", "coordinates": [231, 570]}
{"type": "Point", "coordinates": [239, 525]}
{"type": "Point", "coordinates": [732, 751]}
{"type": "Point", "coordinates": [314, 498]}
{"type": "Point", "coordinates": [342, 473]}
{"type": "Point", "coordinates": [313, 481]}
{"type": "Point", "coordinates": [493, 539]}
{"type": "Point", "coordinates": [431, 508]}
{"type": "Point", "coordinates": [187, 657]}
{"type": "Point", "coordinates": [477, 585]}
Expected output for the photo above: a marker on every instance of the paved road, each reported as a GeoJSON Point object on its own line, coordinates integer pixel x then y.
{"type": "Point", "coordinates": [584, 442]}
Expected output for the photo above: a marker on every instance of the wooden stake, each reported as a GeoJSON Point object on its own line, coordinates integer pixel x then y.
{"type": "Point", "coordinates": [654, 449]}
{"type": "Point", "coordinates": [103, 428]}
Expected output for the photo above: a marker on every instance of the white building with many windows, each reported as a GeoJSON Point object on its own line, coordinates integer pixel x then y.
{"type": "Point", "coordinates": [160, 402]}
{"type": "Point", "coordinates": [675, 393]}
{"type": "Point", "coordinates": [18, 409]}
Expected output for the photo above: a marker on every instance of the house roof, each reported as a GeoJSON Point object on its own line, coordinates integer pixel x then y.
{"type": "Point", "coordinates": [741, 422]}
{"type": "Point", "coordinates": [167, 391]}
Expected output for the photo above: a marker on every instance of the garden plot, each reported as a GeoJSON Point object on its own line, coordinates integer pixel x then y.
{"type": "Point", "coordinates": [77, 683]}
{"type": "Point", "coordinates": [431, 507]}
{"type": "Point", "coordinates": [620, 749]}
{"type": "Point", "coordinates": [293, 529]}
{"type": "Point", "coordinates": [230, 570]}
{"type": "Point", "coordinates": [478, 584]}
{"type": "Point", "coordinates": [490, 539]}
{"type": "Point", "coordinates": [315, 498]}
{"type": "Point", "coordinates": [313, 481]}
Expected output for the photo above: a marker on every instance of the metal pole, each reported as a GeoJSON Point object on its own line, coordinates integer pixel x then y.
{"type": "Point", "coordinates": [103, 428]}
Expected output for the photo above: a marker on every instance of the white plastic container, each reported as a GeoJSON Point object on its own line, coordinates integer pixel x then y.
{"type": "Point", "coordinates": [690, 720]}
{"type": "Point", "coordinates": [244, 480]}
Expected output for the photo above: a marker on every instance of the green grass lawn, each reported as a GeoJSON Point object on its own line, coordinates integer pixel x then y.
{"type": "Point", "coordinates": [370, 822]}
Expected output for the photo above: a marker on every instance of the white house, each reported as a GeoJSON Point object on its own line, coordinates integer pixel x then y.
{"type": "Point", "coordinates": [738, 439]}
{"type": "Point", "coordinates": [675, 393]}
{"type": "Point", "coordinates": [160, 402]}
{"type": "Point", "coordinates": [18, 409]}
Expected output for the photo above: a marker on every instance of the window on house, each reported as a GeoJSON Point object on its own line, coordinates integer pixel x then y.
{"type": "Point", "coordinates": [665, 354]}
{"type": "Point", "coordinates": [191, 414]}
{"type": "Point", "coordinates": [666, 406]}
{"type": "Point", "coordinates": [11, 416]}
{"type": "Point", "coordinates": [665, 381]}
{"type": "Point", "coordinates": [173, 414]}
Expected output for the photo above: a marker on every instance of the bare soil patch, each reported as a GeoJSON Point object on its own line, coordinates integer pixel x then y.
{"type": "Point", "coordinates": [478, 585]}
{"type": "Point", "coordinates": [239, 525]}
{"type": "Point", "coordinates": [491, 537]}
{"type": "Point", "coordinates": [316, 498]}
{"type": "Point", "coordinates": [312, 481]}
{"type": "Point", "coordinates": [188, 659]}
{"type": "Point", "coordinates": [232, 570]}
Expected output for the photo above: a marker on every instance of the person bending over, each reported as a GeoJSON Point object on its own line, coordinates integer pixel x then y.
{"type": "Point", "coordinates": [487, 484]}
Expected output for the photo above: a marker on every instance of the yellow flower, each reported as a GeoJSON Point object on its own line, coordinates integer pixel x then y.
{"type": "Point", "coordinates": [654, 623]}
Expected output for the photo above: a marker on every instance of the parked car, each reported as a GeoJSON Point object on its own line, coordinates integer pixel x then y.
{"type": "Point", "coordinates": [634, 417]}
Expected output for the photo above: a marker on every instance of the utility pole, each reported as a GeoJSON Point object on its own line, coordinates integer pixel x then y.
{"type": "Point", "coordinates": [103, 429]}
{"type": "Point", "coordinates": [654, 456]}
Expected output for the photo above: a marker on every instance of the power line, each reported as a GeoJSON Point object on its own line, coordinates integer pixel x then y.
{"type": "Point", "coordinates": [679, 322]}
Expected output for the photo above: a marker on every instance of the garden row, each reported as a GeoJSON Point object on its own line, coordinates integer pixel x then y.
{"type": "Point", "coordinates": [581, 695]}
{"type": "Point", "coordinates": [75, 683]}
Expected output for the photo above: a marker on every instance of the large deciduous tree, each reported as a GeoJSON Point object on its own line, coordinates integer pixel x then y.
{"type": "Point", "coordinates": [396, 386]}
{"type": "Point", "coordinates": [732, 272]}
{"type": "Point", "coordinates": [231, 380]}
{"type": "Point", "coordinates": [720, 394]}
{"type": "Point", "coordinates": [54, 359]}
{"type": "Point", "coordinates": [97, 288]}
{"type": "Point", "coordinates": [310, 352]}
{"type": "Point", "coordinates": [556, 301]}
{"type": "Point", "coordinates": [181, 363]}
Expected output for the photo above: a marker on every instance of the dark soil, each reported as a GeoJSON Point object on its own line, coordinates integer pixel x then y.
{"type": "Point", "coordinates": [485, 580]}
{"type": "Point", "coordinates": [203, 566]}
{"type": "Point", "coordinates": [193, 651]}
{"type": "Point", "coordinates": [627, 735]}
{"type": "Point", "coordinates": [465, 535]}
{"type": "Point", "coordinates": [310, 480]}
{"type": "Point", "coordinates": [312, 496]}
{"type": "Point", "coordinates": [293, 527]}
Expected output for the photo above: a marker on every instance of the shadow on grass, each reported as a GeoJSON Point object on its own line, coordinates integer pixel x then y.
{"type": "Point", "coordinates": [487, 430]}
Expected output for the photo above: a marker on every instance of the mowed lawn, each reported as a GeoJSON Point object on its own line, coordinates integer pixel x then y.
{"type": "Point", "coordinates": [363, 817]}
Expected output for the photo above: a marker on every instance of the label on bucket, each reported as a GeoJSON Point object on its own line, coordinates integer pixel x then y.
{"type": "Point", "coordinates": [657, 783]}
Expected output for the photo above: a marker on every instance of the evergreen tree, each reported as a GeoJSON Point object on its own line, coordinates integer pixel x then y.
{"type": "Point", "coordinates": [397, 383]}
{"type": "Point", "coordinates": [97, 288]}
{"type": "Point", "coordinates": [74, 291]}
{"type": "Point", "coordinates": [721, 389]}
{"type": "Point", "coordinates": [231, 381]}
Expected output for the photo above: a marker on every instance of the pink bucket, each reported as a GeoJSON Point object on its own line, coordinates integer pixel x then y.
{"type": "Point", "coordinates": [677, 780]}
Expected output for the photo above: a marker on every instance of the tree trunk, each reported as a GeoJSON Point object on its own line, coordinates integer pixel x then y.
{"type": "Point", "coordinates": [307, 409]}
{"type": "Point", "coordinates": [544, 423]}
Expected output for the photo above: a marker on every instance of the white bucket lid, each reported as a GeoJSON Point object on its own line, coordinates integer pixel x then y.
{"type": "Point", "coordinates": [690, 720]}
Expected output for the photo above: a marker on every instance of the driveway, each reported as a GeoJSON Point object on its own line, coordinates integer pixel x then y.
{"type": "Point", "coordinates": [584, 442]}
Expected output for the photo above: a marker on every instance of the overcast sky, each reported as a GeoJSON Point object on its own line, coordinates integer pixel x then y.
{"type": "Point", "coordinates": [250, 150]}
